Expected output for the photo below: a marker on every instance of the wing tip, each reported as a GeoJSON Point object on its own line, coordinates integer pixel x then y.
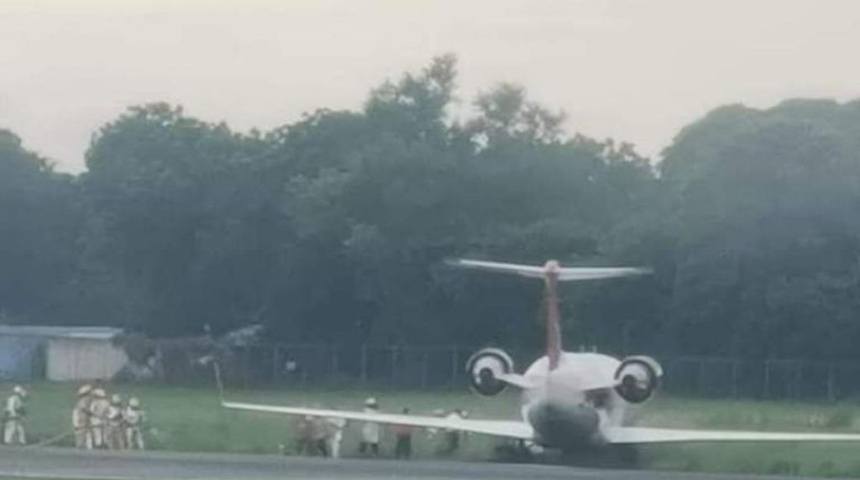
{"type": "Point", "coordinates": [453, 262]}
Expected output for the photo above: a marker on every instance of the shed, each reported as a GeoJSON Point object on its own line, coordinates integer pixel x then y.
{"type": "Point", "coordinates": [59, 353]}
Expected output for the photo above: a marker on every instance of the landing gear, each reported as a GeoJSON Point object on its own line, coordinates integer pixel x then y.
{"type": "Point", "coordinates": [519, 451]}
{"type": "Point", "coordinates": [590, 456]}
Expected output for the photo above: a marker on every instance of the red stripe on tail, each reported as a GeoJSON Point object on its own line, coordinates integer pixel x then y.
{"type": "Point", "coordinates": [553, 320]}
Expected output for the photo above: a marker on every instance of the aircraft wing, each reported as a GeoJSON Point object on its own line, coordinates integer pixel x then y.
{"type": "Point", "coordinates": [565, 273]}
{"type": "Point", "coordinates": [640, 435]}
{"type": "Point", "coordinates": [497, 428]}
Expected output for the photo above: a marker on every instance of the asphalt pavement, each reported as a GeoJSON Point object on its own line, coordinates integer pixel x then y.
{"type": "Point", "coordinates": [64, 463]}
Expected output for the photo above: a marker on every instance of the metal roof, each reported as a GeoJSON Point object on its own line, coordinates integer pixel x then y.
{"type": "Point", "coordinates": [89, 333]}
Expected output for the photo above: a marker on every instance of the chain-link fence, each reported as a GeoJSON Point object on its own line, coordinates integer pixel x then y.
{"type": "Point", "coordinates": [443, 367]}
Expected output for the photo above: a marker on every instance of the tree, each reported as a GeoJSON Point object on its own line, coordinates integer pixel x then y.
{"type": "Point", "coordinates": [179, 200]}
{"type": "Point", "coordinates": [764, 202]}
{"type": "Point", "coordinates": [40, 214]}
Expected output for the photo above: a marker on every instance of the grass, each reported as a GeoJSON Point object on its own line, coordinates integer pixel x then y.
{"type": "Point", "coordinates": [805, 459]}
{"type": "Point", "coordinates": [189, 419]}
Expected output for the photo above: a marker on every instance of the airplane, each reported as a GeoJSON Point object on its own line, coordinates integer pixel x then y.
{"type": "Point", "coordinates": [570, 401]}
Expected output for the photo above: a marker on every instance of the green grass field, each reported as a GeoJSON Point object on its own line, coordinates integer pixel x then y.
{"type": "Point", "coordinates": [189, 419]}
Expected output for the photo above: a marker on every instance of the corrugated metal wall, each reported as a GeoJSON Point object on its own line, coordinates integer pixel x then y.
{"type": "Point", "coordinates": [22, 357]}
{"type": "Point", "coordinates": [83, 359]}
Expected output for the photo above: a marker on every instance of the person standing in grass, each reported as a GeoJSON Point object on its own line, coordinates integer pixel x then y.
{"type": "Point", "coordinates": [370, 431]}
{"type": "Point", "coordinates": [403, 434]}
{"type": "Point", "coordinates": [114, 428]}
{"type": "Point", "coordinates": [452, 437]}
{"type": "Point", "coordinates": [98, 417]}
{"type": "Point", "coordinates": [81, 418]}
{"type": "Point", "coordinates": [335, 435]}
{"type": "Point", "coordinates": [319, 436]}
{"type": "Point", "coordinates": [133, 417]}
{"type": "Point", "coordinates": [302, 434]}
{"type": "Point", "coordinates": [14, 413]}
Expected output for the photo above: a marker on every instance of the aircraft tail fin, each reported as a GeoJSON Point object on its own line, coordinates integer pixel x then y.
{"type": "Point", "coordinates": [552, 273]}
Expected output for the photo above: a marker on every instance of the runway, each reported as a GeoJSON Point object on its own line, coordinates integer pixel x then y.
{"type": "Point", "coordinates": [59, 463]}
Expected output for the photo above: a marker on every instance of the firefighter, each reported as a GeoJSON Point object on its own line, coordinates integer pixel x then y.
{"type": "Point", "coordinates": [80, 418]}
{"type": "Point", "coordinates": [452, 437]}
{"type": "Point", "coordinates": [114, 428]}
{"type": "Point", "coordinates": [14, 413]}
{"type": "Point", "coordinates": [99, 407]}
{"type": "Point", "coordinates": [302, 433]}
{"type": "Point", "coordinates": [319, 436]}
{"type": "Point", "coordinates": [335, 435]}
{"type": "Point", "coordinates": [370, 430]}
{"type": "Point", "coordinates": [133, 417]}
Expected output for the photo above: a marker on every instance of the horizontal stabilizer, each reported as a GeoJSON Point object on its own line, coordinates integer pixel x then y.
{"type": "Point", "coordinates": [564, 273]}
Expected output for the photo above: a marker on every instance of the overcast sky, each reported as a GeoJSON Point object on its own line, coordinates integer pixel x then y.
{"type": "Point", "coordinates": [634, 70]}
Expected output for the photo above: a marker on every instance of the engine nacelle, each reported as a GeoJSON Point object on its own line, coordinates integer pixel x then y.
{"type": "Point", "coordinates": [638, 377]}
{"type": "Point", "coordinates": [485, 367]}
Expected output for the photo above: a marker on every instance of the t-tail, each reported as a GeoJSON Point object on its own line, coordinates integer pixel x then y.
{"type": "Point", "coordinates": [553, 314]}
{"type": "Point", "coordinates": [551, 273]}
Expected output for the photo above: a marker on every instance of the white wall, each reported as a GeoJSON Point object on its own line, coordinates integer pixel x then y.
{"type": "Point", "coordinates": [83, 359]}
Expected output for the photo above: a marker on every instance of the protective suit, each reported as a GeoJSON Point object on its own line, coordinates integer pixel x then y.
{"type": "Point", "coordinates": [114, 434]}
{"type": "Point", "coordinates": [98, 417]}
{"type": "Point", "coordinates": [133, 417]}
{"type": "Point", "coordinates": [303, 431]}
{"type": "Point", "coordinates": [452, 437]}
{"type": "Point", "coordinates": [370, 430]}
{"type": "Point", "coordinates": [334, 435]}
{"type": "Point", "coordinates": [319, 436]}
{"type": "Point", "coordinates": [81, 418]}
{"type": "Point", "coordinates": [14, 413]}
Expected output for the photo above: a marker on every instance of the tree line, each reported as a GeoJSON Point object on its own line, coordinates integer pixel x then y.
{"type": "Point", "coordinates": [334, 228]}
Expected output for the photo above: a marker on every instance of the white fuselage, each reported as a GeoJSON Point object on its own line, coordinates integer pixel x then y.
{"type": "Point", "coordinates": [571, 404]}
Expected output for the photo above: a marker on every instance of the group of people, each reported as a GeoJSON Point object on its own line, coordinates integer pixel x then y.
{"type": "Point", "coordinates": [100, 422]}
{"type": "Point", "coordinates": [323, 436]}
{"type": "Point", "coordinates": [318, 436]}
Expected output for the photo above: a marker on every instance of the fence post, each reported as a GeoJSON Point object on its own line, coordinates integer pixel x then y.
{"type": "Point", "coordinates": [767, 379]}
{"type": "Point", "coordinates": [798, 379]}
{"type": "Point", "coordinates": [455, 365]}
{"type": "Point", "coordinates": [424, 365]}
{"type": "Point", "coordinates": [303, 366]}
{"type": "Point", "coordinates": [364, 363]}
{"type": "Point", "coordinates": [246, 367]}
{"type": "Point", "coordinates": [735, 379]}
{"type": "Point", "coordinates": [333, 369]}
{"type": "Point", "coordinates": [276, 356]}
{"type": "Point", "coordinates": [394, 366]}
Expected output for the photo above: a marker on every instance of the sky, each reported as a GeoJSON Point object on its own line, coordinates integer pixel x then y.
{"type": "Point", "coordinates": [633, 70]}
